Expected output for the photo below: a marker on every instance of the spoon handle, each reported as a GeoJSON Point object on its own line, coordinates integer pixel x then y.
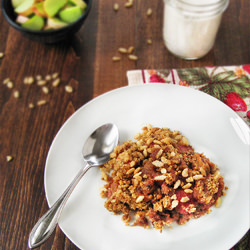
{"type": "Point", "coordinates": [47, 223]}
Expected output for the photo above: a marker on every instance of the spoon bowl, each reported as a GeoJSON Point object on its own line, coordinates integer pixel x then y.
{"type": "Point", "coordinates": [100, 144]}
{"type": "Point", "coordinates": [96, 151]}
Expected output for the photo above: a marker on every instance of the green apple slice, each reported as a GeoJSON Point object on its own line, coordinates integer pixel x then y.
{"type": "Point", "coordinates": [55, 23]}
{"type": "Point", "coordinates": [15, 3]}
{"type": "Point", "coordinates": [51, 7]}
{"type": "Point", "coordinates": [79, 3]}
{"type": "Point", "coordinates": [34, 23]}
{"type": "Point", "coordinates": [25, 6]}
{"type": "Point", "coordinates": [39, 10]}
{"type": "Point", "coordinates": [70, 14]}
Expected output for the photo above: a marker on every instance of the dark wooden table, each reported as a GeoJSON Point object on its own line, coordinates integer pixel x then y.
{"type": "Point", "coordinates": [85, 63]}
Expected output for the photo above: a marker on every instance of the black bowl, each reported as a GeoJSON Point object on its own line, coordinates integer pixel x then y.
{"type": "Point", "coordinates": [45, 36]}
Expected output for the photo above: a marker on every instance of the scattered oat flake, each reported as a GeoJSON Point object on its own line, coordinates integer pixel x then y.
{"type": "Point", "coordinates": [129, 4]}
{"type": "Point", "coordinates": [123, 50]}
{"type": "Point", "coordinates": [16, 94]}
{"type": "Point", "coordinates": [56, 82]}
{"type": "Point", "coordinates": [28, 80]}
{"type": "Point", "coordinates": [6, 80]}
{"type": "Point", "coordinates": [41, 82]}
{"type": "Point", "coordinates": [48, 77]}
{"type": "Point", "coordinates": [149, 12]}
{"type": "Point", "coordinates": [1, 54]}
{"type": "Point", "coordinates": [131, 49]}
{"type": "Point", "coordinates": [38, 77]}
{"type": "Point", "coordinates": [149, 41]}
{"type": "Point", "coordinates": [55, 75]}
{"type": "Point", "coordinates": [10, 85]}
{"type": "Point", "coordinates": [41, 102]}
{"type": "Point", "coordinates": [31, 105]}
{"type": "Point", "coordinates": [116, 7]}
{"type": "Point", "coordinates": [133, 57]}
{"type": "Point", "coordinates": [9, 158]}
{"type": "Point", "coordinates": [45, 90]}
{"type": "Point", "coordinates": [116, 58]}
{"type": "Point", "coordinates": [68, 89]}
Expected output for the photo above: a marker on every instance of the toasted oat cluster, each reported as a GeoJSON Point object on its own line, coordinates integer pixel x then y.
{"type": "Point", "coordinates": [159, 179]}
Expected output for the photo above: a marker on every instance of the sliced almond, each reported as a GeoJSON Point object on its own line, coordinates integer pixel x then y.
{"type": "Point", "coordinates": [218, 203]}
{"type": "Point", "coordinates": [177, 184]}
{"type": "Point", "coordinates": [158, 163]}
{"type": "Point", "coordinates": [188, 185]}
{"type": "Point", "coordinates": [184, 199]}
{"type": "Point", "coordinates": [160, 177]}
{"type": "Point", "coordinates": [198, 177]}
{"type": "Point", "coordinates": [174, 203]}
{"type": "Point", "coordinates": [185, 172]}
{"type": "Point", "coordinates": [139, 199]}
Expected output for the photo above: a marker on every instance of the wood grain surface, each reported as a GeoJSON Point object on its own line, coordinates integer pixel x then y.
{"type": "Point", "coordinates": [85, 63]}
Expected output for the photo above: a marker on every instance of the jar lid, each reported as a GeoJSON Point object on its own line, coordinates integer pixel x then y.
{"type": "Point", "coordinates": [203, 2]}
{"type": "Point", "coordinates": [199, 8]}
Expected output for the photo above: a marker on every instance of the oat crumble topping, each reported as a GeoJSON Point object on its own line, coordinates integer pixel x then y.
{"type": "Point", "coordinates": [159, 179]}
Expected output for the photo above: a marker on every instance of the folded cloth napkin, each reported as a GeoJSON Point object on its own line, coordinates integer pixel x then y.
{"type": "Point", "coordinates": [229, 84]}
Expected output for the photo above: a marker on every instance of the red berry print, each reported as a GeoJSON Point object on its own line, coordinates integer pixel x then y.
{"type": "Point", "coordinates": [183, 83]}
{"type": "Point", "coordinates": [235, 102]}
{"type": "Point", "coordinates": [156, 78]}
{"type": "Point", "coordinates": [246, 68]}
{"type": "Point", "coordinates": [248, 114]}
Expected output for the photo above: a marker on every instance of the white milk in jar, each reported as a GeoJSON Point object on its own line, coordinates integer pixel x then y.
{"type": "Point", "coordinates": [190, 26]}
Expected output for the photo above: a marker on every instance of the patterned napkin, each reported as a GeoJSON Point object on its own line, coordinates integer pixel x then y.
{"type": "Point", "coordinates": [229, 84]}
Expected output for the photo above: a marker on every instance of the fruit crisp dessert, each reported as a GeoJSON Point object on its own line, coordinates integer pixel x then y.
{"type": "Point", "coordinates": [160, 179]}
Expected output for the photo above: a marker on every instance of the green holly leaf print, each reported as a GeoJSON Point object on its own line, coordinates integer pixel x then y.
{"type": "Point", "coordinates": [194, 76]}
{"type": "Point", "coordinates": [164, 75]}
{"type": "Point", "coordinates": [164, 72]}
{"type": "Point", "coordinates": [216, 84]}
{"type": "Point", "coordinates": [225, 82]}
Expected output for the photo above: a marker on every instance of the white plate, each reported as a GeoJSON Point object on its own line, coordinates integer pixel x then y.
{"type": "Point", "coordinates": [210, 126]}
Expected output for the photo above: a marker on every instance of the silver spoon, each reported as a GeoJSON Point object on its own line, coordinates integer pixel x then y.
{"type": "Point", "coordinates": [96, 151]}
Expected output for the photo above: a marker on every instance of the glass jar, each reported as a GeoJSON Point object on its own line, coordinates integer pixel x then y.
{"type": "Point", "coordinates": [190, 26]}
